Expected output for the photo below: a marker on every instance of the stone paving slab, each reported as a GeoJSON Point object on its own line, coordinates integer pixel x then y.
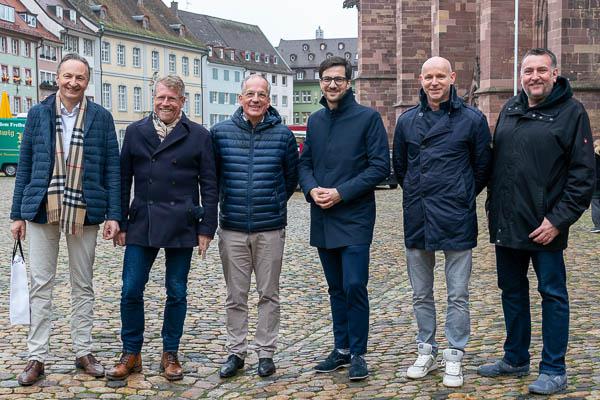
{"type": "Point", "coordinates": [305, 334]}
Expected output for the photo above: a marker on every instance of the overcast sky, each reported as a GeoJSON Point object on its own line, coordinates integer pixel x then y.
{"type": "Point", "coordinates": [280, 19]}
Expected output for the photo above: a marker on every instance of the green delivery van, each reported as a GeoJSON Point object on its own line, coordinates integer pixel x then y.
{"type": "Point", "coordinates": [11, 132]}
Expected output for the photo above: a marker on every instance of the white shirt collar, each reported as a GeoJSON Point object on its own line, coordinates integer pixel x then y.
{"type": "Point", "coordinates": [65, 112]}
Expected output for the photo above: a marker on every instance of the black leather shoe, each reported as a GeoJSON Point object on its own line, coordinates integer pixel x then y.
{"type": "Point", "coordinates": [231, 366]}
{"type": "Point", "coordinates": [266, 367]}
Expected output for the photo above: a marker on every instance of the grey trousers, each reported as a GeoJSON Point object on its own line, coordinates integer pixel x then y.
{"type": "Point", "coordinates": [241, 253]}
{"type": "Point", "coordinates": [43, 255]}
{"type": "Point", "coordinates": [596, 213]}
{"type": "Point", "coordinates": [421, 264]}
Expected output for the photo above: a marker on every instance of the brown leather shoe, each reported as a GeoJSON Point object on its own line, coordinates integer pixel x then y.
{"type": "Point", "coordinates": [90, 365]}
{"type": "Point", "coordinates": [170, 366]}
{"type": "Point", "coordinates": [128, 364]}
{"type": "Point", "coordinates": [33, 372]}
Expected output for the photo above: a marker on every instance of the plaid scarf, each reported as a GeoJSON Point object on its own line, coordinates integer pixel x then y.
{"type": "Point", "coordinates": [162, 129]}
{"type": "Point", "coordinates": [65, 192]}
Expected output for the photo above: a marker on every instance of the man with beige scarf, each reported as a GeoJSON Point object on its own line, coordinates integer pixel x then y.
{"type": "Point", "coordinates": [67, 184]}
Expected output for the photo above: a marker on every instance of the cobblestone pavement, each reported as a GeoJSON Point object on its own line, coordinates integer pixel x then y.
{"type": "Point", "coordinates": [305, 334]}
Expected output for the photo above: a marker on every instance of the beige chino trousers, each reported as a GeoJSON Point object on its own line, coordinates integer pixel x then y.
{"type": "Point", "coordinates": [241, 253]}
{"type": "Point", "coordinates": [43, 256]}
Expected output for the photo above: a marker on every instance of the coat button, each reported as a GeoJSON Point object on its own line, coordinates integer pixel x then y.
{"type": "Point", "coordinates": [172, 203]}
{"type": "Point", "coordinates": [150, 202]}
{"type": "Point", "coordinates": [154, 160]}
{"type": "Point", "coordinates": [150, 181]}
{"type": "Point", "coordinates": [423, 146]}
{"type": "Point", "coordinates": [172, 182]}
{"type": "Point", "coordinates": [174, 161]}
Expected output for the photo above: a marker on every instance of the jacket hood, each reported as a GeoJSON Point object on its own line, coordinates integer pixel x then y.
{"type": "Point", "coordinates": [454, 101]}
{"type": "Point", "coordinates": [346, 101]}
{"type": "Point", "coordinates": [271, 118]}
{"type": "Point", "coordinates": [561, 92]}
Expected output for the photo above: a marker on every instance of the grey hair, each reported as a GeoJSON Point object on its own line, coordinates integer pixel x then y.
{"type": "Point", "coordinates": [172, 82]}
{"type": "Point", "coordinates": [76, 57]}
{"type": "Point", "coordinates": [246, 79]}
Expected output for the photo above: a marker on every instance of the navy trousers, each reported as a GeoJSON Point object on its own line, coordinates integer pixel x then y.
{"type": "Point", "coordinates": [136, 270]}
{"type": "Point", "coordinates": [347, 274]}
{"type": "Point", "coordinates": [512, 266]}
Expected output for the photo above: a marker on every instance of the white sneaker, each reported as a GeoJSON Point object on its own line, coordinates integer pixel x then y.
{"type": "Point", "coordinates": [424, 364]}
{"type": "Point", "coordinates": [453, 377]}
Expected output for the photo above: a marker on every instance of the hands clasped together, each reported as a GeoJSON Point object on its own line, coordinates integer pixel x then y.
{"type": "Point", "coordinates": [325, 197]}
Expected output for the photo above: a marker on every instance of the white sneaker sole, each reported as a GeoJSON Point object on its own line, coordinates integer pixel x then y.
{"type": "Point", "coordinates": [422, 374]}
{"type": "Point", "coordinates": [453, 383]}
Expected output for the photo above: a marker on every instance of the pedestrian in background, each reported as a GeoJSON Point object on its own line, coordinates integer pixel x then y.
{"type": "Point", "coordinates": [67, 184]}
{"type": "Point", "coordinates": [170, 162]}
{"type": "Point", "coordinates": [542, 181]}
{"type": "Point", "coordinates": [596, 196]}
{"type": "Point", "coordinates": [442, 160]}
{"type": "Point", "coordinates": [257, 160]}
{"type": "Point", "coordinates": [345, 155]}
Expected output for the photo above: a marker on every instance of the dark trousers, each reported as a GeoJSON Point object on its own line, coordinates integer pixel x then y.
{"type": "Point", "coordinates": [347, 273]}
{"type": "Point", "coordinates": [136, 270]}
{"type": "Point", "coordinates": [549, 266]}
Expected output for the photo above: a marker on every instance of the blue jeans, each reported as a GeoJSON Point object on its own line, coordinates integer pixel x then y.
{"type": "Point", "coordinates": [347, 273]}
{"type": "Point", "coordinates": [549, 266]}
{"type": "Point", "coordinates": [136, 270]}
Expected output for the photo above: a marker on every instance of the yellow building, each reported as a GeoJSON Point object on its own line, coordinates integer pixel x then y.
{"type": "Point", "coordinates": [141, 41]}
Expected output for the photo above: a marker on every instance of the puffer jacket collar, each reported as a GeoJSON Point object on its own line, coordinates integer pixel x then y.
{"type": "Point", "coordinates": [271, 118]}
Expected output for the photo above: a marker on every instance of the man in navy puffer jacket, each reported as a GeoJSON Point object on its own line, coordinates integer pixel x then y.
{"type": "Point", "coordinates": [256, 159]}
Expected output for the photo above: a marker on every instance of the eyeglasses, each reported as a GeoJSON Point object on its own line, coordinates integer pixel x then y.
{"type": "Point", "coordinates": [250, 95]}
{"type": "Point", "coordinates": [337, 79]}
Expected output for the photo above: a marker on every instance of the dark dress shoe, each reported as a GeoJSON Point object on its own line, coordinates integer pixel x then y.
{"type": "Point", "coordinates": [266, 367]}
{"type": "Point", "coordinates": [170, 366]}
{"type": "Point", "coordinates": [90, 365]}
{"type": "Point", "coordinates": [33, 372]}
{"type": "Point", "coordinates": [231, 366]}
{"type": "Point", "coordinates": [128, 364]}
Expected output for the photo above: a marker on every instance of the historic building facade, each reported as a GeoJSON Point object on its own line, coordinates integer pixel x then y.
{"type": "Point", "coordinates": [304, 57]}
{"type": "Point", "coordinates": [477, 36]}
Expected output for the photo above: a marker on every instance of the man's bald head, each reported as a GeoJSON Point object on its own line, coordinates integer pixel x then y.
{"type": "Point", "coordinates": [436, 80]}
{"type": "Point", "coordinates": [437, 62]}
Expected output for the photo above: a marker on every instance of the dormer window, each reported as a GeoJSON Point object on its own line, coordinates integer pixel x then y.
{"type": "Point", "coordinates": [257, 57]}
{"type": "Point", "coordinates": [144, 20]}
{"type": "Point", "coordinates": [99, 9]}
{"type": "Point", "coordinates": [7, 13]}
{"type": "Point", "coordinates": [232, 55]}
{"type": "Point", "coordinates": [341, 46]}
{"type": "Point", "coordinates": [59, 12]}
{"type": "Point", "coordinates": [292, 57]}
{"type": "Point", "coordinates": [221, 53]}
{"type": "Point", "coordinates": [247, 56]}
{"type": "Point", "coordinates": [347, 55]}
{"type": "Point", "coordinates": [179, 28]}
{"type": "Point", "coordinates": [305, 47]}
{"type": "Point", "coordinates": [73, 16]}
{"type": "Point", "coordinates": [274, 59]}
{"type": "Point", "coordinates": [322, 46]}
{"type": "Point", "coordinates": [266, 59]}
{"type": "Point", "coordinates": [210, 53]}
{"type": "Point", "coordinates": [31, 20]}
{"type": "Point", "coordinates": [329, 55]}
{"type": "Point", "coordinates": [311, 56]}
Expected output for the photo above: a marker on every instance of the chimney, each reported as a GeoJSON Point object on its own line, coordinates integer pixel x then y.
{"type": "Point", "coordinates": [319, 33]}
{"type": "Point", "coordinates": [174, 7]}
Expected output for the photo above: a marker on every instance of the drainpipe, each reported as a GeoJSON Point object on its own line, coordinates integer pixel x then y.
{"type": "Point", "coordinates": [203, 85]}
{"type": "Point", "coordinates": [516, 63]}
{"type": "Point", "coordinates": [37, 70]}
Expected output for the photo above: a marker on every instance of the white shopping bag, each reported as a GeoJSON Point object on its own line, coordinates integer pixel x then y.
{"type": "Point", "coordinates": [19, 290]}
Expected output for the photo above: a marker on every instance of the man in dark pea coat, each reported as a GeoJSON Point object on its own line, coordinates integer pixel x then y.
{"type": "Point", "coordinates": [442, 160]}
{"type": "Point", "coordinates": [171, 162]}
{"type": "Point", "coordinates": [345, 155]}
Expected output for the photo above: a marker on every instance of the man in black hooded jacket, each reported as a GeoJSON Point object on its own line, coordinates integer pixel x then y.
{"type": "Point", "coordinates": [542, 181]}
